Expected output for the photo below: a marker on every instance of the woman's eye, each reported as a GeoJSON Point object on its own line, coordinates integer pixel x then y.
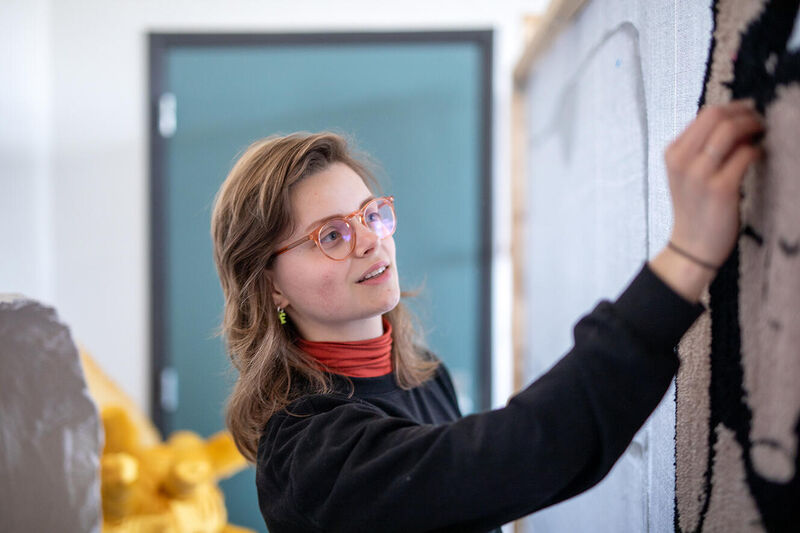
{"type": "Point", "coordinates": [329, 237]}
{"type": "Point", "coordinates": [373, 217]}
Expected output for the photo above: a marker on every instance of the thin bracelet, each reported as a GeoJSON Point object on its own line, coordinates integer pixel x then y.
{"type": "Point", "coordinates": [693, 258]}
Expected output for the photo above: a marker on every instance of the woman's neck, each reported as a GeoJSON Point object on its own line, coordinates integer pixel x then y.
{"type": "Point", "coordinates": [354, 330]}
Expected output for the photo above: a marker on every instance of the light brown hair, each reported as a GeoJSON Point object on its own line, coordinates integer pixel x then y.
{"type": "Point", "coordinates": [251, 216]}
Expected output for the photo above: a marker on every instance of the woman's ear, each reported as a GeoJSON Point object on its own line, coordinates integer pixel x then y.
{"type": "Point", "coordinates": [279, 299]}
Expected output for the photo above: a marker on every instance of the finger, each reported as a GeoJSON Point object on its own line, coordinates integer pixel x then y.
{"type": "Point", "coordinates": [698, 132]}
{"type": "Point", "coordinates": [679, 154]}
{"type": "Point", "coordinates": [683, 152]}
{"type": "Point", "coordinates": [742, 104]}
{"type": "Point", "coordinates": [727, 134]}
{"type": "Point", "coordinates": [738, 106]}
{"type": "Point", "coordinates": [725, 140]}
{"type": "Point", "coordinates": [733, 170]}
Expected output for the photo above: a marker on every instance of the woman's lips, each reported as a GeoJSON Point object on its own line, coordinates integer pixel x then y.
{"type": "Point", "coordinates": [376, 280]}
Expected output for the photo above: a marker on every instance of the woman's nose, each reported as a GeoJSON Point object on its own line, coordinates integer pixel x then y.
{"type": "Point", "coordinates": [366, 239]}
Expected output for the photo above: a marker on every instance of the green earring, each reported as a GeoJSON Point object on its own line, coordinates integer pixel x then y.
{"type": "Point", "coordinates": [282, 316]}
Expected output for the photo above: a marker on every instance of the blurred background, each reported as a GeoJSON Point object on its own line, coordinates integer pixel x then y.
{"type": "Point", "coordinates": [119, 121]}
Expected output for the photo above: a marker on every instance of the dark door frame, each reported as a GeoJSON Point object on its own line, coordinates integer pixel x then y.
{"type": "Point", "coordinates": [159, 45]}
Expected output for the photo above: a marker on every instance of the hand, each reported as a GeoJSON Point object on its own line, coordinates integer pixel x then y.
{"type": "Point", "coordinates": [706, 165]}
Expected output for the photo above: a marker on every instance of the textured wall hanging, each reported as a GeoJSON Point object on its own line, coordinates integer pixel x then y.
{"type": "Point", "coordinates": [738, 389]}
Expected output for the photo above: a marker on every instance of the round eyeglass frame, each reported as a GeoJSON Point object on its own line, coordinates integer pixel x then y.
{"type": "Point", "coordinates": [314, 235]}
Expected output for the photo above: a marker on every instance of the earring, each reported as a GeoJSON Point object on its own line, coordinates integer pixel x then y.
{"type": "Point", "coordinates": [282, 316]}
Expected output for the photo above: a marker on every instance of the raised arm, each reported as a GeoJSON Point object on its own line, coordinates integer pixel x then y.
{"type": "Point", "coordinates": [556, 438]}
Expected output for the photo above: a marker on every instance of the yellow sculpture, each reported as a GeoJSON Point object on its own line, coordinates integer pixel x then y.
{"type": "Point", "coordinates": [150, 486]}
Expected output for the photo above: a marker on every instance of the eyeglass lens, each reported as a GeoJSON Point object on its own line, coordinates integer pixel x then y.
{"type": "Point", "coordinates": [379, 216]}
{"type": "Point", "coordinates": [335, 238]}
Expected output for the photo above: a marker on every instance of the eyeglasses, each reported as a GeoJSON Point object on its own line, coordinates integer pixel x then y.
{"type": "Point", "coordinates": [336, 237]}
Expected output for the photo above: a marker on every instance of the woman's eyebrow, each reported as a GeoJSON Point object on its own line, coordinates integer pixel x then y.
{"type": "Point", "coordinates": [324, 219]}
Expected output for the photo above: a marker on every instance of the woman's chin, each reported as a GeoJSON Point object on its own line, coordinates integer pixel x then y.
{"type": "Point", "coordinates": [393, 304]}
{"type": "Point", "coordinates": [388, 301]}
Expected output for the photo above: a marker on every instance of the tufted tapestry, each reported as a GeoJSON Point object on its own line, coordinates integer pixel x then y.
{"type": "Point", "coordinates": [738, 389]}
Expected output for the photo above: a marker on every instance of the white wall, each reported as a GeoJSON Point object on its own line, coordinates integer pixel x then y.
{"type": "Point", "coordinates": [617, 86]}
{"type": "Point", "coordinates": [25, 228]}
{"type": "Point", "coordinates": [74, 169]}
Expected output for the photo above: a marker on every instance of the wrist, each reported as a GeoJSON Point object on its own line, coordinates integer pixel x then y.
{"type": "Point", "coordinates": [683, 275]}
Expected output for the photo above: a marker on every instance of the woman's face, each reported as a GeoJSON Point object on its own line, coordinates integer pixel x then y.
{"type": "Point", "coordinates": [330, 300]}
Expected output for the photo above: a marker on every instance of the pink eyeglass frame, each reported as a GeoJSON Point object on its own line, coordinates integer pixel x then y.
{"type": "Point", "coordinates": [314, 235]}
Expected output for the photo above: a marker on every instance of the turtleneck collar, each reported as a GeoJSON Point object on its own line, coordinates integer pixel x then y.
{"type": "Point", "coordinates": [361, 359]}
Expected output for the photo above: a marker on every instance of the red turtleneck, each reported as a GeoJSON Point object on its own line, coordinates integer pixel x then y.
{"type": "Point", "coordinates": [359, 359]}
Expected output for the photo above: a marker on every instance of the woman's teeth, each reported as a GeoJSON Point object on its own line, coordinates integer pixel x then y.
{"type": "Point", "coordinates": [375, 273]}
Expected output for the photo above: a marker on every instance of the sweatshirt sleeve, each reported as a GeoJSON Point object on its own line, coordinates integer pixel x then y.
{"type": "Point", "coordinates": [350, 467]}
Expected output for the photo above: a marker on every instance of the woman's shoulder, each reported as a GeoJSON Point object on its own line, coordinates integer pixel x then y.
{"type": "Point", "coordinates": [313, 405]}
{"type": "Point", "coordinates": [442, 371]}
{"type": "Point", "coordinates": [342, 397]}
{"type": "Point", "coordinates": [313, 414]}
{"type": "Point", "coordinates": [441, 378]}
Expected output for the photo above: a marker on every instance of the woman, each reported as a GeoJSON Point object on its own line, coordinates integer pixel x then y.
{"type": "Point", "coordinates": [355, 427]}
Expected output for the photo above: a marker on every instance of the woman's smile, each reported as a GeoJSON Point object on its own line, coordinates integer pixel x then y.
{"type": "Point", "coordinates": [377, 274]}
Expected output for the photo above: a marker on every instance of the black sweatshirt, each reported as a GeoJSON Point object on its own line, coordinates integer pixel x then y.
{"type": "Point", "coordinates": [387, 459]}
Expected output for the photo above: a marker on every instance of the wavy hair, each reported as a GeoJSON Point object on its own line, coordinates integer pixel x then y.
{"type": "Point", "coordinates": [251, 215]}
